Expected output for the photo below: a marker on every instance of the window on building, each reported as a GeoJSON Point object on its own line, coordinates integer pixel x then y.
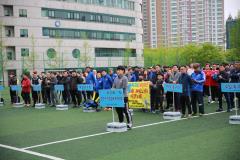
{"type": "Point", "coordinates": [51, 53]}
{"type": "Point", "coordinates": [24, 52]}
{"type": "Point", "coordinates": [8, 10]}
{"type": "Point", "coordinates": [23, 33]}
{"type": "Point", "coordinates": [76, 53]}
{"type": "Point", "coordinates": [9, 31]}
{"type": "Point", "coordinates": [10, 51]}
{"type": "Point", "coordinates": [22, 13]}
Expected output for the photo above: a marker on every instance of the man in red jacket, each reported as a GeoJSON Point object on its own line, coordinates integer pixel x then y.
{"type": "Point", "coordinates": [210, 85]}
{"type": "Point", "coordinates": [26, 89]}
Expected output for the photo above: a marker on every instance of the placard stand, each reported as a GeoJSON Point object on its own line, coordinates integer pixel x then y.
{"type": "Point", "coordinates": [87, 87]}
{"type": "Point", "coordinates": [232, 88]}
{"type": "Point", "coordinates": [18, 103]}
{"type": "Point", "coordinates": [60, 106]}
{"type": "Point", "coordinates": [114, 98]}
{"type": "Point", "coordinates": [116, 126]}
{"type": "Point", "coordinates": [235, 119]}
{"type": "Point", "coordinates": [39, 104]}
{"type": "Point", "coordinates": [172, 115]}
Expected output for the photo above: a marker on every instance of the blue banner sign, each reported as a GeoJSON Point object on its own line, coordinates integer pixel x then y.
{"type": "Point", "coordinates": [111, 98]}
{"type": "Point", "coordinates": [85, 87]}
{"type": "Point", "coordinates": [59, 87]}
{"type": "Point", "coordinates": [15, 87]}
{"type": "Point", "coordinates": [230, 87]}
{"type": "Point", "coordinates": [37, 88]}
{"type": "Point", "coordinates": [170, 87]}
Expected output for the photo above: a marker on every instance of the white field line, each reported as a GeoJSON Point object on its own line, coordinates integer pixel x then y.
{"type": "Point", "coordinates": [30, 152]}
{"type": "Point", "coordinates": [103, 133]}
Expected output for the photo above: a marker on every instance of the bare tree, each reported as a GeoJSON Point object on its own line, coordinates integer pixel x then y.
{"type": "Point", "coordinates": [85, 58]}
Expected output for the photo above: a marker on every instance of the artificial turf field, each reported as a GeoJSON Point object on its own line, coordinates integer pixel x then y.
{"type": "Point", "coordinates": [210, 137]}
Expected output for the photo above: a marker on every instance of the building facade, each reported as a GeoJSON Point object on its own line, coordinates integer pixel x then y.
{"type": "Point", "coordinates": [181, 22]}
{"type": "Point", "coordinates": [47, 34]}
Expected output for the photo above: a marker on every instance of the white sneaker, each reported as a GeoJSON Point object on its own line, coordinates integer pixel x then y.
{"type": "Point", "coordinates": [213, 102]}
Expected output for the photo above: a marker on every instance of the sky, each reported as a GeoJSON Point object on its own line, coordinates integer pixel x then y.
{"type": "Point", "coordinates": [231, 7]}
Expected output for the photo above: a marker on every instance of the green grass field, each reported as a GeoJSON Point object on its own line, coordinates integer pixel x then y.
{"type": "Point", "coordinates": [202, 138]}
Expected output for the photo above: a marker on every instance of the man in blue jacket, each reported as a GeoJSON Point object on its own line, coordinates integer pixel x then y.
{"type": "Point", "coordinates": [106, 80]}
{"type": "Point", "coordinates": [198, 78]}
{"type": "Point", "coordinates": [90, 79]}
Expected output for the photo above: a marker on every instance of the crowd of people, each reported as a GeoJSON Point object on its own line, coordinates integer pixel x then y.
{"type": "Point", "coordinates": [197, 81]}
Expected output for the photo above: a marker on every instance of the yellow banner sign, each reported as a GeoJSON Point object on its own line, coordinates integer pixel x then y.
{"type": "Point", "coordinates": [139, 94]}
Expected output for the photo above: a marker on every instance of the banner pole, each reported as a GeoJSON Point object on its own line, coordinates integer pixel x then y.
{"type": "Point", "coordinates": [173, 102]}
{"type": "Point", "coordinates": [113, 114]}
{"type": "Point", "coordinates": [235, 103]}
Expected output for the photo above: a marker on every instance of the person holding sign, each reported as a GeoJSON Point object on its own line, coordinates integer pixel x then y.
{"type": "Point", "coordinates": [198, 78]}
{"type": "Point", "coordinates": [90, 79]}
{"type": "Point", "coordinates": [35, 81]}
{"type": "Point", "coordinates": [223, 77]}
{"type": "Point", "coordinates": [26, 89]}
{"type": "Point", "coordinates": [173, 79]}
{"type": "Point", "coordinates": [185, 80]}
{"type": "Point", "coordinates": [75, 94]}
{"type": "Point", "coordinates": [121, 82]}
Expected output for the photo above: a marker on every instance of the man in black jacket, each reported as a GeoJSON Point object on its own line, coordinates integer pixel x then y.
{"type": "Point", "coordinates": [223, 77]}
{"type": "Point", "coordinates": [12, 81]}
{"type": "Point", "coordinates": [235, 78]}
{"type": "Point", "coordinates": [75, 94]}
{"type": "Point", "coordinates": [65, 82]}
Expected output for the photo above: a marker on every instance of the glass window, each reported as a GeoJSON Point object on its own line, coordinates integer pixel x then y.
{"type": "Point", "coordinates": [51, 53]}
{"type": "Point", "coordinates": [76, 53]}
{"type": "Point", "coordinates": [22, 13]}
{"type": "Point", "coordinates": [23, 33]}
{"type": "Point", "coordinates": [11, 55]}
{"type": "Point", "coordinates": [24, 52]}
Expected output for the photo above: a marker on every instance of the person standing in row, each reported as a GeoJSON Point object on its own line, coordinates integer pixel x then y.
{"type": "Point", "coordinates": [75, 94]}
{"type": "Point", "coordinates": [35, 81]}
{"type": "Point", "coordinates": [26, 89]}
{"type": "Point", "coordinates": [121, 82]}
{"type": "Point", "coordinates": [198, 78]}
{"type": "Point", "coordinates": [12, 81]}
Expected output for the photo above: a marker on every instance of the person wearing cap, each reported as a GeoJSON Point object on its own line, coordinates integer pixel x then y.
{"type": "Point", "coordinates": [12, 81]}
{"type": "Point", "coordinates": [121, 82]}
{"type": "Point", "coordinates": [198, 78]}
{"type": "Point", "coordinates": [35, 81]}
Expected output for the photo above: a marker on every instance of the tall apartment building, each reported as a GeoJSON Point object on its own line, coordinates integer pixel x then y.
{"type": "Point", "coordinates": [180, 22]}
{"type": "Point", "coordinates": [101, 30]}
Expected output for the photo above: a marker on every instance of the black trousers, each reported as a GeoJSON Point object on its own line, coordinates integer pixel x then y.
{"type": "Point", "coordinates": [158, 102]}
{"type": "Point", "coordinates": [34, 97]}
{"type": "Point", "coordinates": [197, 97]}
{"type": "Point", "coordinates": [232, 100]}
{"type": "Point", "coordinates": [26, 98]}
{"type": "Point", "coordinates": [214, 91]}
{"type": "Point", "coordinates": [13, 95]}
{"type": "Point", "coordinates": [124, 110]}
{"type": "Point", "coordinates": [185, 102]}
{"type": "Point", "coordinates": [169, 97]}
{"type": "Point", "coordinates": [89, 94]}
{"type": "Point", "coordinates": [66, 96]}
{"type": "Point", "coordinates": [47, 96]}
{"type": "Point", "coordinates": [76, 97]}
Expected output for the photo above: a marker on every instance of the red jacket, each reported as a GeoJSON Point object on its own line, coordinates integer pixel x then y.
{"type": "Point", "coordinates": [26, 85]}
{"type": "Point", "coordinates": [209, 78]}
